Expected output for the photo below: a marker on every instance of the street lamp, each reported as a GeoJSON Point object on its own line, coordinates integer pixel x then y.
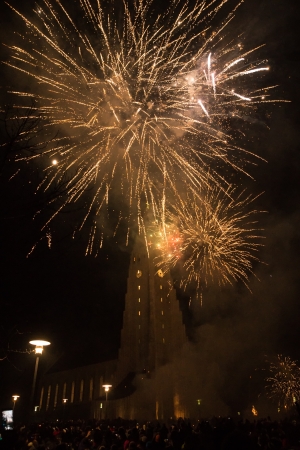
{"type": "Point", "coordinates": [39, 346]}
{"type": "Point", "coordinates": [15, 398]}
{"type": "Point", "coordinates": [106, 388]}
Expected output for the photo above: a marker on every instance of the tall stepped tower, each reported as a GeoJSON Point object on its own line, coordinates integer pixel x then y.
{"type": "Point", "coordinates": [151, 336]}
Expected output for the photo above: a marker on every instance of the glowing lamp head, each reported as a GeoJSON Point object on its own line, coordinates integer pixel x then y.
{"type": "Point", "coordinates": [54, 162]}
{"type": "Point", "coordinates": [65, 400]}
{"type": "Point", "coordinates": [39, 345]}
{"type": "Point", "coordinates": [15, 397]}
{"type": "Point", "coordinates": [106, 387]}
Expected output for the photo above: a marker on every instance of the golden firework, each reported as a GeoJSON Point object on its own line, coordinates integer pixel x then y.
{"type": "Point", "coordinates": [213, 237]}
{"type": "Point", "coordinates": [138, 104]}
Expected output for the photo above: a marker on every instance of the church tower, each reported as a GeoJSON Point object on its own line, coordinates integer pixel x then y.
{"type": "Point", "coordinates": [151, 336]}
{"type": "Point", "coordinates": [146, 378]}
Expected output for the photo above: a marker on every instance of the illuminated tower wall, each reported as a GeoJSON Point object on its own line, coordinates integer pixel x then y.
{"type": "Point", "coordinates": [152, 334]}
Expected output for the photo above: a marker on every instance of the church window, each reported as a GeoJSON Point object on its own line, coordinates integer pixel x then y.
{"type": "Point", "coordinates": [160, 287]}
{"type": "Point", "coordinates": [41, 397]}
{"type": "Point", "coordinates": [72, 391]}
{"type": "Point", "coordinates": [91, 389]}
{"type": "Point", "coordinates": [163, 325]}
{"type": "Point", "coordinates": [139, 327]}
{"type": "Point", "coordinates": [48, 397]}
{"type": "Point", "coordinates": [81, 390]}
{"type": "Point", "coordinates": [139, 288]}
{"type": "Point", "coordinates": [162, 313]}
{"type": "Point", "coordinates": [161, 299]}
{"type": "Point", "coordinates": [55, 396]}
{"type": "Point", "coordinates": [163, 340]}
{"type": "Point", "coordinates": [64, 391]}
{"type": "Point", "coordinates": [139, 313]}
{"type": "Point", "coordinates": [139, 300]}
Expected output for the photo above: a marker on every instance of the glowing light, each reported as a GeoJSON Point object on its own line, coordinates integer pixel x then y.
{"type": "Point", "coordinates": [107, 387]}
{"type": "Point", "coordinates": [233, 63]}
{"type": "Point", "coordinates": [203, 107]}
{"type": "Point", "coordinates": [248, 72]}
{"type": "Point", "coordinates": [241, 96]}
{"type": "Point", "coordinates": [254, 411]}
{"type": "Point", "coordinates": [39, 345]}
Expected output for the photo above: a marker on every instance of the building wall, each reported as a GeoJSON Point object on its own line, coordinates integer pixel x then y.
{"type": "Point", "coordinates": [81, 387]}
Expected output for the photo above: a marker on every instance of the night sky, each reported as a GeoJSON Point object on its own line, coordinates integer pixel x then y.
{"type": "Point", "coordinates": [76, 301]}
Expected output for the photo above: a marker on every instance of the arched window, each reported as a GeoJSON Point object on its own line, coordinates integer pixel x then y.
{"type": "Point", "coordinates": [55, 396]}
{"type": "Point", "coordinates": [48, 397]}
{"type": "Point", "coordinates": [91, 389]}
{"type": "Point", "coordinates": [72, 391]}
{"type": "Point", "coordinates": [81, 390]}
{"type": "Point", "coordinates": [64, 391]}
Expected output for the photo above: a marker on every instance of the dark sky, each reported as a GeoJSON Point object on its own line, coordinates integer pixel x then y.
{"type": "Point", "coordinates": [76, 301]}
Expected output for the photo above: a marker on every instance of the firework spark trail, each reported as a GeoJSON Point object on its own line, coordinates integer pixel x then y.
{"type": "Point", "coordinates": [211, 238]}
{"type": "Point", "coordinates": [135, 101]}
{"type": "Point", "coordinates": [284, 382]}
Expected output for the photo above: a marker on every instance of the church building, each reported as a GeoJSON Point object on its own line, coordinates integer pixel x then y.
{"type": "Point", "coordinates": [144, 382]}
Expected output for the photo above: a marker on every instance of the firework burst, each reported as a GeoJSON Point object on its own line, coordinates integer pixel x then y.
{"type": "Point", "coordinates": [284, 381]}
{"type": "Point", "coordinates": [142, 103]}
{"type": "Point", "coordinates": [216, 238]}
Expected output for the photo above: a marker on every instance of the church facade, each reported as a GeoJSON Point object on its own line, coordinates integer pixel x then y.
{"type": "Point", "coordinates": [144, 381]}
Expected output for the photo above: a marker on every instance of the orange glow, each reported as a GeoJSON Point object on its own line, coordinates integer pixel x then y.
{"type": "Point", "coordinates": [254, 411]}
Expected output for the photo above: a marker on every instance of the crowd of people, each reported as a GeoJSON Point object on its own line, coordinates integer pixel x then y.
{"type": "Point", "coordinates": [215, 434]}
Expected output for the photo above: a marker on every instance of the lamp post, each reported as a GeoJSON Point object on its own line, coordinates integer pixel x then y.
{"type": "Point", "coordinates": [199, 405]}
{"type": "Point", "coordinates": [39, 346]}
{"type": "Point", "coordinates": [64, 403]}
{"type": "Point", "coordinates": [106, 388]}
{"type": "Point", "coordinates": [15, 398]}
